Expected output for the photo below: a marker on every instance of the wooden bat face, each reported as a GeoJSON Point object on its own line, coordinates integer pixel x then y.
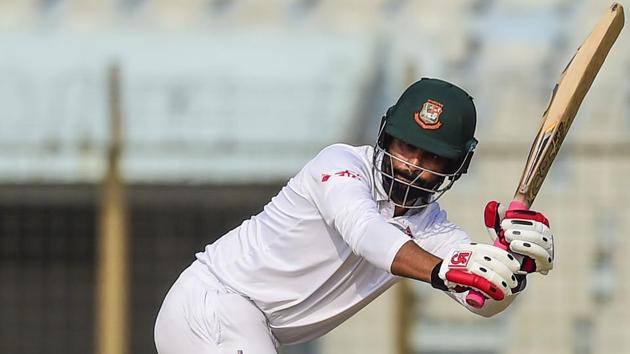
{"type": "Point", "coordinates": [567, 96]}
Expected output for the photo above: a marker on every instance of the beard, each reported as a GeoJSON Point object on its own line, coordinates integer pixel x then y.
{"type": "Point", "coordinates": [399, 190]}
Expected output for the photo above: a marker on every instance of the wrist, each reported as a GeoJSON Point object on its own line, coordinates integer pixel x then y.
{"type": "Point", "coordinates": [436, 281]}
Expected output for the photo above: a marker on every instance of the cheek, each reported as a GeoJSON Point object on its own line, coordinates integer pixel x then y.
{"type": "Point", "coordinates": [398, 165]}
{"type": "Point", "coordinates": [437, 166]}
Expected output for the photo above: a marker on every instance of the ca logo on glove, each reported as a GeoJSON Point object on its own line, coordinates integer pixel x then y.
{"type": "Point", "coordinates": [460, 260]}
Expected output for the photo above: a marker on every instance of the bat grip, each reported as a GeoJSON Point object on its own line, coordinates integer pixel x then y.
{"type": "Point", "coordinates": [475, 298]}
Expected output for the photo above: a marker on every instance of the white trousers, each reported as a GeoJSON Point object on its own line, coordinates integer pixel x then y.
{"type": "Point", "coordinates": [200, 316]}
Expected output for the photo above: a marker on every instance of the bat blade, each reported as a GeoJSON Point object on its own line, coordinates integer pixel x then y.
{"type": "Point", "coordinates": [567, 96]}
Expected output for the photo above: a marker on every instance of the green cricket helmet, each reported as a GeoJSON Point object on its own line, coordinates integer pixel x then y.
{"type": "Point", "coordinates": [436, 117]}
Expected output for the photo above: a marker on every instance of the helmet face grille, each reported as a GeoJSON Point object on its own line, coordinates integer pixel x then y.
{"type": "Point", "coordinates": [411, 191]}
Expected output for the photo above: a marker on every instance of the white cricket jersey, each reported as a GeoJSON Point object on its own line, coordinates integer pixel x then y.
{"type": "Point", "coordinates": [322, 248]}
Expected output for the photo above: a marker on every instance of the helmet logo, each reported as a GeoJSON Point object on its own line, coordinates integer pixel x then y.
{"type": "Point", "coordinates": [429, 115]}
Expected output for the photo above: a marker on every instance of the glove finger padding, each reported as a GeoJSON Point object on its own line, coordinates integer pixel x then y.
{"type": "Point", "coordinates": [528, 234]}
{"type": "Point", "coordinates": [526, 214]}
{"type": "Point", "coordinates": [493, 258]}
{"type": "Point", "coordinates": [479, 283]}
{"type": "Point", "coordinates": [482, 267]}
{"type": "Point", "coordinates": [495, 272]}
{"type": "Point", "coordinates": [526, 224]}
{"type": "Point", "coordinates": [544, 262]}
{"type": "Point", "coordinates": [544, 240]}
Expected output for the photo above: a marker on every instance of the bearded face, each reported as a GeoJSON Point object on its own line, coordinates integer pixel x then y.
{"type": "Point", "coordinates": [412, 176]}
{"type": "Point", "coordinates": [403, 187]}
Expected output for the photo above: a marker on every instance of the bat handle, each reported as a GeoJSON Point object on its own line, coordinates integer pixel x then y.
{"type": "Point", "coordinates": [475, 298]}
{"type": "Point", "coordinates": [516, 204]}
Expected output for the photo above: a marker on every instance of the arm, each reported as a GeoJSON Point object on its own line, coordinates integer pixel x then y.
{"type": "Point", "coordinates": [411, 261]}
{"type": "Point", "coordinates": [339, 184]}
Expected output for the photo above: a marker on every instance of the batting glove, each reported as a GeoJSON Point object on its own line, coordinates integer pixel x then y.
{"type": "Point", "coordinates": [481, 267]}
{"type": "Point", "coordinates": [526, 232]}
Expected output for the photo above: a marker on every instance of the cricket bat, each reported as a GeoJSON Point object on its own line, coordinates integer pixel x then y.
{"type": "Point", "coordinates": [567, 95]}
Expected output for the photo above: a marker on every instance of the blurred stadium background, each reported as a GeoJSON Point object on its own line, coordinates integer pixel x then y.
{"type": "Point", "coordinates": [219, 102]}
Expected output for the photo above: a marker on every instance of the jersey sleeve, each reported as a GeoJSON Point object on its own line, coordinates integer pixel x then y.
{"type": "Point", "coordinates": [436, 234]}
{"type": "Point", "coordinates": [339, 183]}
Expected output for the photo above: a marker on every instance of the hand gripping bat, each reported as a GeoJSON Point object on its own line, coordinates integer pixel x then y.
{"type": "Point", "coordinates": [567, 95]}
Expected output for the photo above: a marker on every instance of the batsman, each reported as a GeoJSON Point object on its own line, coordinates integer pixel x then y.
{"type": "Point", "coordinates": [353, 222]}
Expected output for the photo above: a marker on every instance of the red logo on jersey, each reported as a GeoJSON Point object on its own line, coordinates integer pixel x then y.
{"type": "Point", "coordinates": [344, 173]}
{"type": "Point", "coordinates": [460, 260]}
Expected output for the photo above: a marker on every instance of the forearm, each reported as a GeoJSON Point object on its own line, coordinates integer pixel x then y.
{"type": "Point", "coordinates": [369, 235]}
{"type": "Point", "coordinates": [412, 261]}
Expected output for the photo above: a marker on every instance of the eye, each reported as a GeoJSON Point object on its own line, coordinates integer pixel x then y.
{"type": "Point", "coordinates": [433, 156]}
{"type": "Point", "coordinates": [409, 146]}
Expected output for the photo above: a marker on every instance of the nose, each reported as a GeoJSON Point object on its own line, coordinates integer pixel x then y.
{"type": "Point", "coordinates": [410, 172]}
{"type": "Point", "coordinates": [413, 162]}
